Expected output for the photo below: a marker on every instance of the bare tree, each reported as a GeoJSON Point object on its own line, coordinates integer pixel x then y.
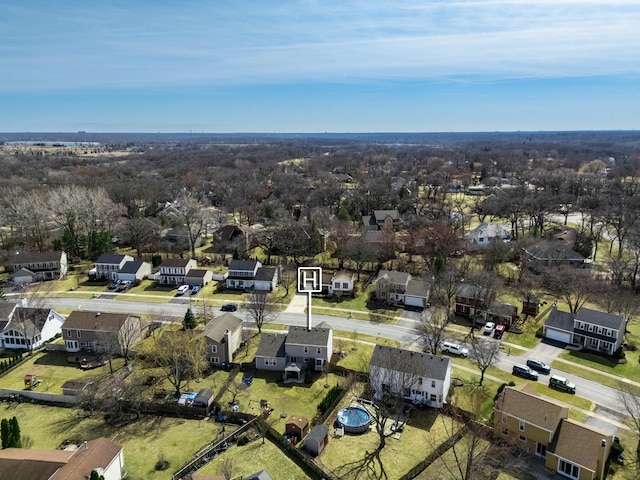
{"type": "Point", "coordinates": [631, 403]}
{"type": "Point", "coordinates": [431, 330]}
{"type": "Point", "coordinates": [180, 355]}
{"type": "Point", "coordinates": [31, 313]}
{"type": "Point", "coordinates": [226, 466]}
{"type": "Point", "coordinates": [193, 215]}
{"type": "Point", "coordinates": [261, 308]}
{"type": "Point", "coordinates": [484, 355]}
{"type": "Point", "coordinates": [575, 286]}
{"type": "Point", "coordinates": [138, 232]}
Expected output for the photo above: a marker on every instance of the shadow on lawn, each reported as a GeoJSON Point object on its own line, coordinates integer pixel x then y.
{"type": "Point", "coordinates": [605, 360]}
{"type": "Point", "coordinates": [58, 359]}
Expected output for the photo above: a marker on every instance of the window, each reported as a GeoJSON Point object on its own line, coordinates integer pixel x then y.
{"type": "Point", "coordinates": [433, 384]}
{"type": "Point", "coordinates": [78, 333]}
{"type": "Point", "coordinates": [432, 397]}
{"type": "Point", "coordinates": [521, 425]}
{"type": "Point", "coordinates": [214, 348]}
{"type": "Point", "coordinates": [319, 350]}
{"type": "Point", "coordinates": [270, 362]}
{"type": "Point", "coordinates": [306, 349]}
{"type": "Point", "coordinates": [420, 381]}
{"type": "Point", "coordinates": [505, 431]}
{"type": "Point", "coordinates": [522, 438]}
{"type": "Point", "coordinates": [568, 469]}
{"type": "Point", "coordinates": [215, 359]}
{"type": "Point", "coordinates": [345, 286]}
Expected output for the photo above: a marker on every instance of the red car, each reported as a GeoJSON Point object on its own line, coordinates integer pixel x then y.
{"type": "Point", "coordinates": [500, 328]}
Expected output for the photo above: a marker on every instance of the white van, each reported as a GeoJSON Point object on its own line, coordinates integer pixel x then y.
{"type": "Point", "coordinates": [454, 349]}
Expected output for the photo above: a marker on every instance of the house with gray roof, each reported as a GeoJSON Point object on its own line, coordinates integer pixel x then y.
{"type": "Point", "coordinates": [400, 288]}
{"type": "Point", "coordinates": [223, 336]}
{"type": "Point", "coordinates": [250, 274]}
{"type": "Point", "coordinates": [418, 377]}
{"type": "Point", "coordinates": [381, 219]}
{"type": "Point", "coordinates": [96, 331]}
{"type": "Point", "coordinates": [298, 352]}
{"type": "Point", "coordinates": [109, 264]}
{"type": "Point", "coordinates": [134, 270]}
{"type": "Point", "coordinates": [481, 236]}
{"type": "Point", "coordinates": [174, 270]}
{"type": "Point", "coordinates": [45, 265]}
{"type": "Point", "coordinates": [29, 328]}
{"type": "Point", "coordinates": [591, 329]}
{"type": "Point", "coordinates": [552, 253]}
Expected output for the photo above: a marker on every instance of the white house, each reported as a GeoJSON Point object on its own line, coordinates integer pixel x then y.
{"type": "Point", "coordinates": [483, 234]}
{"type": "Point", "coordinates": [248, 274]}
{"type": "Point", "coordinates": [174, 270]}
{"type": "Point", "coordinates": [400, 288]}
{"type": "Point", "coordinates": [134, 270]}
{"type": "Point", "coordinates": [341, 283]}
{"type": "Point", "coordinates": [45, 265]}
{"type": "Point", "coordinates": [421, 378]}
{"type": "Point", "coordinates": [109, 264]}
{"type": "Point", "coordinates": [29, 328]}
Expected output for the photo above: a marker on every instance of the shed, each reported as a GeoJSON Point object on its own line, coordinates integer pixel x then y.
{"type": "Point", "coordinates": [317, 439]}
{"type": "Point", "coordinates": [204, 398]}
{"type": "Point", "coordinates": [75, 387]}
{"type": "Point", "coordinates": [297, 427]}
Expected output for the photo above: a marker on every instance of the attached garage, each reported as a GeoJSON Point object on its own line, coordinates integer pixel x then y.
{"type": "Point", "coordinates": [557, 335]}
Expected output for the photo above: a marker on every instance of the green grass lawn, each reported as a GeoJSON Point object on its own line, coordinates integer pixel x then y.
{"type": "Point", "coordinates": [53, 369]}
{"type": "Point", "coordinates": [145, 441]}
{"type": "Point", "coordinates": [254, 457]}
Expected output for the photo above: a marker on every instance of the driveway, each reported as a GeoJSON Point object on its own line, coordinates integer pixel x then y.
{"type": "Point", "coordinates": [546, 351]}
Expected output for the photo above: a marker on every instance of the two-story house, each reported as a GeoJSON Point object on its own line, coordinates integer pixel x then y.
{"type": "Point", "coordinates": [541, 427]}
{"type": "Point", "coordinates": [421, 378]}
{"type": "Point", "coordinates": [174, 270]}
{"type": "Point", "coordinates": [109, 264]}
{"type": "Point", "coordinates": [338, 284]}
{"type": "Point", "coordinates": [296, 353]}
{"type": "Point", "coordinates": [381, 219]}
{"type": "Point", "coordinates": [400, 288]}
{"type": "Point", "coordinates": [96, 331]}
{"type": "Point", "coordinates": [591, 329]}
{"type": "Point", "coordinates": [223, 335]}
{"type": "Point", "coordinates": [250, 274]}
{"type": "Point", "coordinates": [43, 265]}
{"type": "Point", "coordinates": [473, 300]}
{"type": "Point", "coordinates": [29, 328]}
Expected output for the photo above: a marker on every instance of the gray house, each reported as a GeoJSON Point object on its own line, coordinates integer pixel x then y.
{"type": "Point", "coordinates": [250, 274]}
{"type": "Point", "coordinates": [109, 264]}
{"type": "Point", "coordinates": [297, 352]}
{"type": "Point", "coordinates": [591, 329]}
{"type": "Point", "coordinates": [134, 270]}
{"type": "Point", "coordinates": [223, 335]}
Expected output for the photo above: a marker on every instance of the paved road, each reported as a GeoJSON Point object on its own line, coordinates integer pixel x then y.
{"type": "Point", "coordinates": [404, 332]}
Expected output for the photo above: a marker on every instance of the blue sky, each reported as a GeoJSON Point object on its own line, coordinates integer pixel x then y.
{"type": "Point", "coordinates": [319, 66]}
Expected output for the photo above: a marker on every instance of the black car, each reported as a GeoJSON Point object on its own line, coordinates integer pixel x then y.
{"type": "Point", "coordinates": [524, 372]}
{"type": "Point", "coordinates": [229, 307]}
{"type": "Point", "coordinates": [539, 366]}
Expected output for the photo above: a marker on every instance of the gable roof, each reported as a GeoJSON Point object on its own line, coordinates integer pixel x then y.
{"type": "Point", "coordinates": [248, 265]}
{"type": "Point", "coordinates": [343, 275]}
{"type": "Point", "coordinates": [382, 214]}
{"type": "Point", "coordinates": [33, 319]}
{"type": "Point", "coordinates": [560, 320]}
{"type": "Point", "coordinates": [111, 258]}
{"type": "Point", "coordinates": [467, 290]}
{"type": "Point", "coordinates": [175, 262]}
{"type": "Point", "coordinates": [98, 453]}
{"type": "Point", "coordinates": [196, 273]}
{"type": "Point", "coordinates": [23, 272]}
{"type": "Point", "coordinates": [528, 405]}
{"type": "Point", "coordinates": [131, 266]}
{"type": "Point", "coordinates": [216, 328]}
{"type": "Point", "coordinates": [36, 257]}
{"type": "Point", "coordinates": [553, 250]}
{"type": "Point", "coordinates": [601, 318]}
{"type": "Point", "coordinates": [95, 321]}
{"type": "Point", "coordinates": [265, 274]}
{"type": "Point", "coordinates": [418, 288]}
{"type": "Point", "coordinates": [317, 433]}
{"type": "Point", "coordinates": [271, 345]}
{"type": "Point", "coordinates": [393, 276]}
{"type": "Point", "coordinates": [583, 452]}
{"type": "Point", "coordinates": [430, 366]}
{"type": "Point", "coordinates": [317, 336]}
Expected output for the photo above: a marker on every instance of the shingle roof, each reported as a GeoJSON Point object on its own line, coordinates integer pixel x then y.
{"type": "Point", "coordinates": [35, 257]}
{"type": "Point", "coordinates": [467, 290]}
{"type": "Point", "coordinates": [110, 258]}
{"type": "Point", "coordinates": [196, 273]}
{"type": "Point", "coordinates": [431, 366]}
{"type": "Point", "coordinates": [601, 318]}
{"type": "Point", "coordinates": [271, 345]}
{"type": "Point", "coordinates": [95, 321]}
{"type": "Point", "coordinates": [265, 274]}
{"type": "Point", "coordinates": [531, 408]}
{"type": "Point", "coordinates": [554, 251]}
{"type": "Point", "coordinates": [98, 453]}
{"type": "Point", "coordinates": [560, 320]}
{"type": "Point", "coordinates": [6, 308]}
{"type": "Point", "coordinates": [418, 288]}
{"type": "Point", "coordinates": [248, 265]}
{"type": "Point", "coordinates": [401, 278]}
{"type": "Point", "coordinates": [32, 318]}
{"type": "Point", "coordinates": [317, 336]}
{"type": "Point", "coordinates": [175, 262]}
{"type": "Point", "coordinates": [382, 214]}
{"type": "Point", "coordinates": [317, 433]}
{"type": "Point", "coordinates": [132, 266]}
{"type": "Point", "coordinates": [583, 452]}
{"type": "Point", "coordinates": [215, 328]}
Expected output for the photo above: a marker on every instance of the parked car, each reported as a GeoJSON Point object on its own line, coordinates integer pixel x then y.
{"type": "Point", "coordinates": [182, 289]}
{"type": "Point", "coordinates": [539, 366]}
{"type": "Point", "coordinates": [561, 383]}
{"type": "Point", "coordinates": [524, 372]}
{"type": "Point", "coordinates": [195, 290]}
{"type": "Point", "coordinates": [229, 307]}
{"type": "Point", "coordinates": [488, 328]}
{"type": "Point", "coordinates": [454, 349]}
{"type": "Point", "coordinates": [499, 331]}
{"type": "Point", "coordinates": [113, 285]}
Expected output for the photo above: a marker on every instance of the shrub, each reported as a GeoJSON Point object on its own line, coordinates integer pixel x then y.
{"type": "Point", "coordinates": [329, 398]}
{"type": "Point", "coordinates": [540, 332]}
{"type": "Point", "coordinates": [242, 441]}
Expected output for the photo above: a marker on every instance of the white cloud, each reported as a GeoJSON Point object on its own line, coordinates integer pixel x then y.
{"type": "Point", "coordinates": [64, 45]}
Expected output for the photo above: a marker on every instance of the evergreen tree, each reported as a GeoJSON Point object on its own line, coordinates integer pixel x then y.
{"type": "Point", "coordinates": [4, 433]}
{"type": "Point", "coordinates": [96, 476]}
{"type": "Point", "coordinates": [189, 322]}
{"type": "Point", "coordinates": [15, 439]}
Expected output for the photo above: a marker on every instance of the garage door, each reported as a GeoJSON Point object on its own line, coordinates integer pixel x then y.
{"type": "Point", "coordinates": [560, 336]}
{"type": "Point", "coordinates": [414, 301]}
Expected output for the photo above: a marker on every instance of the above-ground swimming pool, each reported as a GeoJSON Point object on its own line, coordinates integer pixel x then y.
{"type": "Point", "coordinates": [354, 419]}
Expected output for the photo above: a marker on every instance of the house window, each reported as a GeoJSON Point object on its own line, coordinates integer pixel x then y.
{"type": "Point", "coordinates": [420, 381]}
{"type": "Point", "coordinates": [319, 350]}
{"type": "Point", "coordinates": [521, 426]}
{"type": "Point", "coordinates": [433, 384]}
{"type": "Point", "coordinates": [505, 431]}
{"type": "Point", "coordinates": [318, 362]}
{"type": "Point", "coordinates": [214, 349]}
{"type": "Point", "coordinates": [306, 349]}
{"type": "Point", "coordinates": [345, 286]}
{"type": "Point", "coordinates": [270, 362]}
{"type": "Point", "coordinates": [522, 438]}
{"type": "Point", "coordinates": [78, 333]}
{"type": "Point", "coordinates": [432, 397]}
{"type": "Point", "coordinates": [215, 359]}
{"type": "Point", "coordinates": [568, 468]}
